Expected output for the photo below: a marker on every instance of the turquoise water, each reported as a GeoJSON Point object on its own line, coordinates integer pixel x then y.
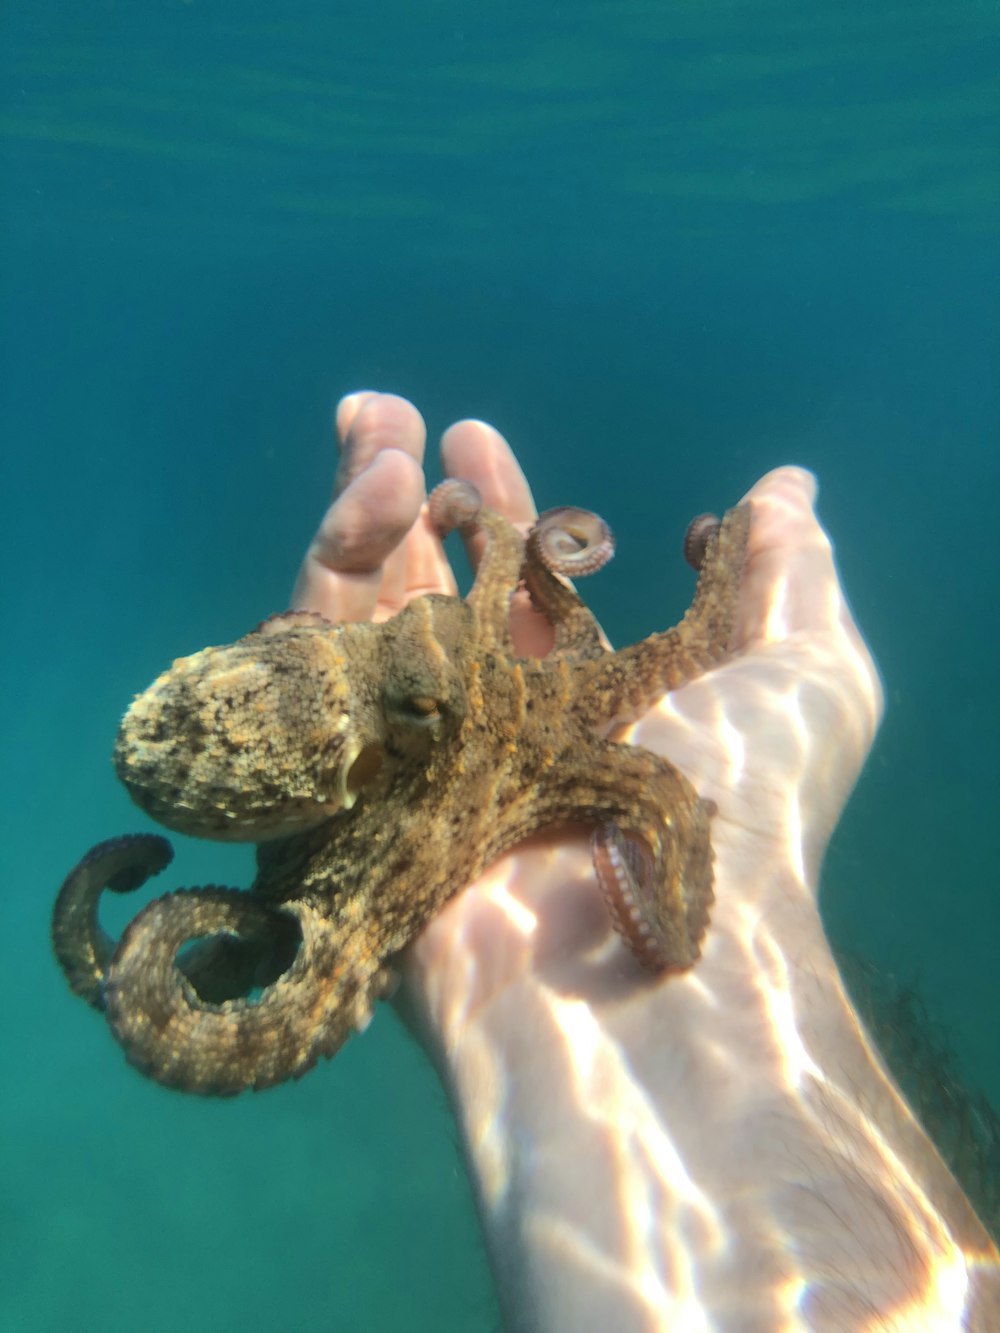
{"type": "Point", "coordinates": [664, 247]}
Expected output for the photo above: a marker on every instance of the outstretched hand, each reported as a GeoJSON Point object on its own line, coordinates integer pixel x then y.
{"type": "Point", "coordinates": [776, 737]}
{"type": "Point", "coordinates": [656, 1150]}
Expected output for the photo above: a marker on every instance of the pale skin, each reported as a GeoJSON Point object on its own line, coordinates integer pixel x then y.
{"type": "Point", "coordinates": [719, 1149]}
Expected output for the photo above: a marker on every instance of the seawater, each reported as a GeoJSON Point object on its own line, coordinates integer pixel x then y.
{"type": "Point", "coordinates": [664, 248]}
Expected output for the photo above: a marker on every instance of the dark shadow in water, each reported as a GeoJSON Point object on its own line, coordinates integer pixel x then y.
{"type": "Point", "coordinates": [962, 1122]}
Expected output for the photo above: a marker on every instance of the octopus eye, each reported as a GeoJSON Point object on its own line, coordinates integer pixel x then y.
{"type": "Point", "coordinates": [415, 715]}
{"type": "Point", "coordinates": [422, 707]}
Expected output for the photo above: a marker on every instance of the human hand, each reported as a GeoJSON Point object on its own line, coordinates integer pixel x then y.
{"type": "Point", "coordinates": [775, 737]}
{"type": "Point", "coordinates": [621, 1126]}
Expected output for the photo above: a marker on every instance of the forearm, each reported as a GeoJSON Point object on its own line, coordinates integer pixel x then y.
{"type": "Point", "coordinates": [755, 1167]}
{"type": "Point", "coordinates": [718, 1149]}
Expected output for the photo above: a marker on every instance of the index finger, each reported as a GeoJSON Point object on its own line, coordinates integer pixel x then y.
{"type": "Point", "coordinates": [474, 451]}
{"type": "Point", "coordinates": [791, 585]}
{"type": "Point", "coordinates": [354, 561]}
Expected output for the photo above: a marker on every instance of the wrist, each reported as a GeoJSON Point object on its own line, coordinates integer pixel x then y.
{"type": "Point", "coordinates": [729, 1103]}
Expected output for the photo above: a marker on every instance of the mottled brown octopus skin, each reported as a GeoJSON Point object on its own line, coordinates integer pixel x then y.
{"type": "Point", "coordinates": [381, 768]}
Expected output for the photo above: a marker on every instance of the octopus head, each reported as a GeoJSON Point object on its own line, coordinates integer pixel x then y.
{"type": "Point", "coordinates": [260, 739]}
{"type": "Point", "coordinates": [277, 732]}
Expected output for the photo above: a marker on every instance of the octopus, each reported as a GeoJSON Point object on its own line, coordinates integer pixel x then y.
{"type": "Point", "coordinates": [380, 768]}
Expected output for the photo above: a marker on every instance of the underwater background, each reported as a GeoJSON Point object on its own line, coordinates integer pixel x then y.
{"type": "Point", "coordinates": [664, 247]}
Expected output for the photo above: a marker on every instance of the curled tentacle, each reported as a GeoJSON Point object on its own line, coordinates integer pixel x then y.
{"type": "Point", "coordinates": [651, 846]}
{"type": "Point", "coordinates": [82, 947]}
{"type": "Point", "coordinates": [696, 539]}
{"type": "Point", "coordinates": [647, 919]}
{"type": "Point", "coordinates": [220, 1047]}
{"type": "Point", "coordinates": [228, 967]}
{"type": "Point", "coordinates": [628, 683]}
{"type": "Point", "coordinates": [219, 968]}
{"type": "Point", "coordinates": [453, 504]}
{"type": "Point", "coordinates": [567, 542]}
{"type": "Point", "coordinates": [653, 856]}
{"type": "Point", "coordinates": [457, 504]}
{"type": "Point", "coordinates": [570, 541]}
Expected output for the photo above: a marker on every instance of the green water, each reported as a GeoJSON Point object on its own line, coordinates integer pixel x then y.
{"type": "Point", "coordinates": [664, 247]}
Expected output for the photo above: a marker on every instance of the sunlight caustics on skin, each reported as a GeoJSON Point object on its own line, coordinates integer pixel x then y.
{"type": "Point", "coordinates": [848, 1229]}
{"type": "Point", "coordinates": [717, 1148]}
{"type": "Point", "coordinates": [837, 1116]}
{"type": "Point", "coordinates": [642, 1149]}
{"type": "Point", "coordinates": [491, 1133]}
{"type": "Point", "coordinates": [668, 1256]}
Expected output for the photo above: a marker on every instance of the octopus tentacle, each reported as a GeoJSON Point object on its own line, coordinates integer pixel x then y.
{"type": "Point", "coordinates": [571, 541]}
{"type": "Point", "coordinates": [628, 683]}
{"type": "Point", "coordinates": [626, 872]}
{"type": "Point", "coordinates": [457, 504]}
{"type": "Point", "coordinates": [568, 542]}
{"type": "Point", "coordinates": [700, 529]}
{"type": "Point", "coordinates": [82, 948]}
{"type": "Point", "coordinates": [183, 1040]}
{"type": "Point", "coordinates": [654, 862]}
{"type": "Point", "coordinates": [226, 967]}
{"type": "Point", "coordinates": [453, 504]}
{"type": "Point", "coordinates": [651, 845]}
{"type": "Point", "coordinates": [295, 619]}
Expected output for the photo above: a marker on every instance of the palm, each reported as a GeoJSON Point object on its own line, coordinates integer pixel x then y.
{"type": "Point", "coordinates": [775, 737]}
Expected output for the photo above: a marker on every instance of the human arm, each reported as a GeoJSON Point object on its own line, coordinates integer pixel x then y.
{"type": "Point", "coordinates": [721, 1147]}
